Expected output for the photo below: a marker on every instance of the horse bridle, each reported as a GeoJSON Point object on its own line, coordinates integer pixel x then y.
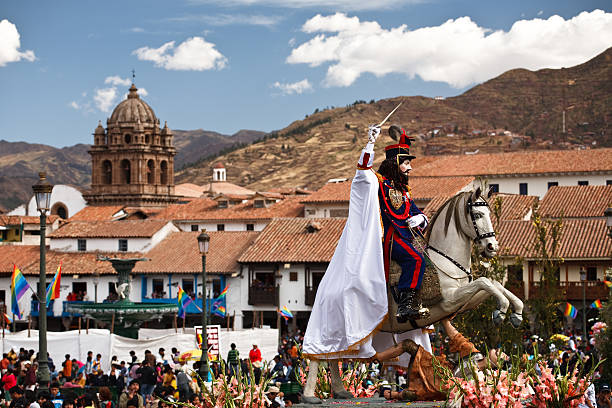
{"type": "Point", "coordinates": [478, 237]}
{"type": "Point", "coordinates": [471, 205]}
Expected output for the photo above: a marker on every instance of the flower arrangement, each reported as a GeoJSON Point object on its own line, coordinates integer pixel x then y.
{"type": "Point", "coordinates": [528, 383]}
{"type": "Point", "coordinates": [353, 379]}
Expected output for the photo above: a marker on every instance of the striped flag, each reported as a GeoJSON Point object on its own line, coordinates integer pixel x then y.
{"type": "Point", "coordinates": [183, 301]}
{"type": "Point", "coordinates": [219, 311]}
{"type": "Point", "coordinates": [286, 313]}
{"type": "Point", "coordinates": [570, 311]}
{"type": "Point", "coordinates": [53, 290]}
{"type": "Point", "coordinates": [19, 286]}
{"type": "Point", "coordinates": [7, 319]}
{"type": "Point", "coordinates": [223, 293]}
{"type": "Point", "coordinates": [596, 304]}
{"type": "Point", "coordinates": [608, 283]}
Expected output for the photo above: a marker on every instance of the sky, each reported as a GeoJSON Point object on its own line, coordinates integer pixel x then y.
{"type": "Point", "coordinates": [226, 65]}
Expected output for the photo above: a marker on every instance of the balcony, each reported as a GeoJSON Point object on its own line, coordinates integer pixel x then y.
{"type": "Point", "coordinates": [66, 313]}
{"type": "Point", "coordinates": [573, 290]}
{"type": "Point", "coordinates": [263, 295]}
{"type": "Point", "coordinates": [310, 295]}
{"type": "Point", "coordinates": [34, 308]}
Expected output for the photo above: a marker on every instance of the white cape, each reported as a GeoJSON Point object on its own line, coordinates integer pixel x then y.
{"type": "Point", "coordinates": [351, 300]}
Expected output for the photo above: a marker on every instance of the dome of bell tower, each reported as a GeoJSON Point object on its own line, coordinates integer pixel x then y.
{"type": "Point", "coordinates": [133, 110]}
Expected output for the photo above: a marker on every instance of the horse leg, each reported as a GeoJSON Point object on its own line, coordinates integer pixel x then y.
{"type": "Point", "coordinates": [516, 318]}
{"type": "Point", "coordinates": [406, 346]}
{"type": "Point", "coordinates": [337, 387]}
{"type": "Point", "coordinates": [463, 294]}
{"type": "Point", "coordinates": [308, 395]}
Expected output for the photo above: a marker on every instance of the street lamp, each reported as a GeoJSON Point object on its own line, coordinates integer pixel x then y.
{"type": "Point", "coordinates": [96, 280]}
{"type": "Point", "coordinates": [42, 192]}
{"type": "Point", "coordinates": [608, 214]}
{"type": "Point", "coordinates": [203, 242]}
{"type": "Point", "coordinates": [583, 280]}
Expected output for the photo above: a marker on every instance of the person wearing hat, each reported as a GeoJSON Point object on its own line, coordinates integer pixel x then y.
{"type": "Point", "coordinates": [603, 397]}
{"type": "Point", "coordinates": [274, 397]}
{"type": "Point", "coordinates": [401, 219]}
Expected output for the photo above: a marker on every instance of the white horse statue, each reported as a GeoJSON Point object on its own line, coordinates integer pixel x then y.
{"type": "Point", "coordinates": [462, 220]}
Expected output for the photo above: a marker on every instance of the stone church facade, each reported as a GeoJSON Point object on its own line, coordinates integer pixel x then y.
{"type": "Point", "coordinates": [133, 158]}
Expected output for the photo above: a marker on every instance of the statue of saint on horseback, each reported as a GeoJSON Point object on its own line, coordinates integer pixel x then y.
{"type": "Point", "coordinates": [369, 304]}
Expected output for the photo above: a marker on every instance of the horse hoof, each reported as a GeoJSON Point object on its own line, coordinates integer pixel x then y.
{"type": "Point", "coordinates": [408, 395]}
{"type": "Point", "coordinates": [311, 400]}
{"type": "Point", "coordinates": [498, 317]}
{"type": "Point", "coordinates": [343, 395]}
{"type": "Point", "coordinates": [516, 320]}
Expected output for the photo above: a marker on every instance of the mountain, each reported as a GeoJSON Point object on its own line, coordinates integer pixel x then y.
{"type": "Point", "coordinates": [20, 162]}
{"type": "Point", "coordinates": [520, 109]}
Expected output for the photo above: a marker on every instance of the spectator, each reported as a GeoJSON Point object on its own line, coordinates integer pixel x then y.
{"type": "Point", "coordinates": [8, 381]}
{"type": "Point", "coordinates": [106, 399]}
{"type": "Point", "coordinates": [56, 397]}
{"type": "Point", "coordinates": [131, 397]}
{"type": "Point", "coordinates": [183, 385]}
{"type": "Point", "coordinates": [17, 398]}
{"type": "Point", "coordinates": [603, 397]}
{"type": "Point", "coordinates": [67, 367]}
{"type": "Point", "coordinates": [148, 379]}
{"type": "Point", "coordinates": [233, 360]}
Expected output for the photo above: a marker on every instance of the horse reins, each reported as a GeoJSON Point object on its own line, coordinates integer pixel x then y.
{"type": "Point", "coordinates": [479, 237]}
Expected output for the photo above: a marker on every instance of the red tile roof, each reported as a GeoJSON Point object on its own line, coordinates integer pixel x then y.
{"type": "Point", "coordinates": [109, 229]}
{"type": "Point", "coordinates": [515, 163]}
{"type": "Point", "coordinates": [96, 213]}
{"type": "Point", "coordinates": [513, 206]}
{"type": "Point", "coordinates": [205, 209]}
{"type": "Point", "coordinates": [288, 240]}
{"type": "Point", "coordinates": [423, 188]}
{"type": "Point", "coordinates": [73, 263]}
{"type": "Point", "coordinates": [188, 190]}
{"type": "Point", "coordinates": [580, 239]}
{"type": "Point", "coordinates": [7, 220]}
{"type": "Point", "coordinates": [225, 188]}
{"type": "Point", "coordinates": [179, 253]}
{"type": "Point", "coordinates": [434, 205]}
{"type": "Point", "coordinates": [576, 201]}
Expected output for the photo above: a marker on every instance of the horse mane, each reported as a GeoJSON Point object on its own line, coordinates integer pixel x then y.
{"type": "Point", "coordinates": [453, 208]}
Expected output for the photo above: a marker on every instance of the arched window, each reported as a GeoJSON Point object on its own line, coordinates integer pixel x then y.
{"type": "Point", "coordinates": [60, 210]}
{"type": "Point", "coordinates": [147, 139]}
{"type": "Point", "coordinates": [125, 171]}
{"type": "Point", "coordinates": [151, 172]}
{"type": "Point", "coordinates": [127, 138]}
{"type": "Point", "coordinates": [107, 172]}
{"type": "Point", "coordinates": [164, 172]}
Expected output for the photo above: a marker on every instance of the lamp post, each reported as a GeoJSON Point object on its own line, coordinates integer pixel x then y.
{"type": "Point", "coordinates": [96, 280]}
{"type": "Point", "coordinates": [583, 280]}
{"type": "Point", "coordinates": [203, 241]}
{"type": "Point", "coordinates": [42, 192]}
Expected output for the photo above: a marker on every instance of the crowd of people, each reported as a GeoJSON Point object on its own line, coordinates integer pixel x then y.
{"type": "Point", "coordinates": [157, 380]}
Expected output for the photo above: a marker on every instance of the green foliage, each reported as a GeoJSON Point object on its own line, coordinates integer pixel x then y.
{"type": "Point", "coordinates": [604, 343]}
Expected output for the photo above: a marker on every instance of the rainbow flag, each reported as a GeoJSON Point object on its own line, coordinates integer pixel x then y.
{"type": "Point", "coordinates": [608, 283]}
{"type": "Point", "coordinates": [7, 319]}
{"type": "Point", "coordinates": [219, 311]}
{"type": "Point", "coordinates": [19, 286]}
{"type": "Point", "coordinates": [570, 311]}
{"type": "Point", "coordinates": [596, 304]}
{"type": "Point", "coordinates": [286, 313]}
{"type": "Point", "coordinates": [223, 293]}
{"type": "Point", "coordinates": [183, 301]}
{"type": "Point", "coordinates": [53, 290]}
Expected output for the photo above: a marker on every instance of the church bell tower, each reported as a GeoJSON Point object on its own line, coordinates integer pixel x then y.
{"type": "Point", "coordinates": [132, 160]}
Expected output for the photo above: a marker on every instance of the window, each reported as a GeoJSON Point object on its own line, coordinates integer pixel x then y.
{"type": "Point", "coordinates": [123, 245]}
{"type": "Point", "coordinates": [127, 138]}
{"type": "Point", "coordinates": [158, 288]}
{"type": "Point", "coordinates": [107, 172]}
{"type": "Point", "coordinates": [82, 245]}
{"type": "Point", "coordinates": [552, 184]}
{"type": "Point", "coordinates": [258, 203]}
{"type": "Point", "coordinates": [494, 188]}
{"type": "Point", "coordinates": [311, 211]}
{"type": "Point", "coordinates": [223, 204]}
{"type": "Point", "coordinates": [194, 228]}
{"type": "Point", "coordinates": [79, 287]}
{"type": "Point", "coordinates": [583, 183]}
{"type": "Point", "coordinates": [250, 227]}
{"type": "Point", "coordinates": [523, 188]}
{"type": "Point", "coordinates": [187, 286]}
{"type": "Point", "coordinates": [515, 273]}
{"type": "Point", "coordinates": [608, 182]}
{"type": "Point", "coordinates": [293, 276]}
{"type": "Point", "coordinates": [591, 273]}
{"type": "Point", "coordinates": [341, 213]}
{"type": "Point", "coordinates": [125, 171]}
{"type": "Point", "coordinates": [112, 288]}
{"type": "Point", "coordinates": [2, 296]}
{"type": "Point", "coordinates": [163, 172]}
{"type": "Point", "coordinates": [220, 227]}
{"type": "Point", "coordinates": [151, 172]}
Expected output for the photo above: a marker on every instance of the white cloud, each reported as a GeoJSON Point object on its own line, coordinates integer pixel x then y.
{"type": "Point", "coordinates": [292, 42]}
{"type": "Point", "coordinates": [458, 52]}
{"type": "Point", "coordinates": [136, 30]}
{"type": "Point", "coordinates": [74, 105]}
{"type": "Point", "coordinates": [194, 54]}
{"type": "Point", "coordinates": [294, 88]}
{"type": "Point", "coordinates": [318, 4]}
{"type": "Point", "coordinates": [230, 19]}
{"type": "Point", "coordinates": [104, 98]}
{"type": "Point", "coordinates": [117, 80]}
{"type": "Point", "coordinates": [10, 43]}
{"type": "Point", "coordinates": [540, 12]}
{"type": "Point", "coordinates": [141, 92]}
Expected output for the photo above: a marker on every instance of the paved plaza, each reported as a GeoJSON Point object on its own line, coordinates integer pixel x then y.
{"type": "Point", "coordinates": [373, 402]}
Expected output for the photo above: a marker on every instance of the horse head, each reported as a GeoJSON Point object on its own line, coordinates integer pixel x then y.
{"type": "Point", "coordinates": [478, 225]}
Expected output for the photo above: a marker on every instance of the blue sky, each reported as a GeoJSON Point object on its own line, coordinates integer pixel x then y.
{"type": "Point", "coordinates": [226, 65]}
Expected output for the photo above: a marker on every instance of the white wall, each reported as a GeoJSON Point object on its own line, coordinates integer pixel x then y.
{"type": "Point", "coordinates": [322, 211]}
{"type": "Point", "coordinates": [229, 226]}
{"type": "Point", "coordinates": [538, 185]}
{"type": "Point", "coordinates": [69, 196]}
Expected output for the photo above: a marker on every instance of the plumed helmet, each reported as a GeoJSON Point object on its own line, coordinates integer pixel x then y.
{"type": "Point", "coordinates": [401, 149]}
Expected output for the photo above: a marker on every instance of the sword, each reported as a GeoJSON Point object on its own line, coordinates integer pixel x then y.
{"type": "Point", "coordinates": [389, 115]}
